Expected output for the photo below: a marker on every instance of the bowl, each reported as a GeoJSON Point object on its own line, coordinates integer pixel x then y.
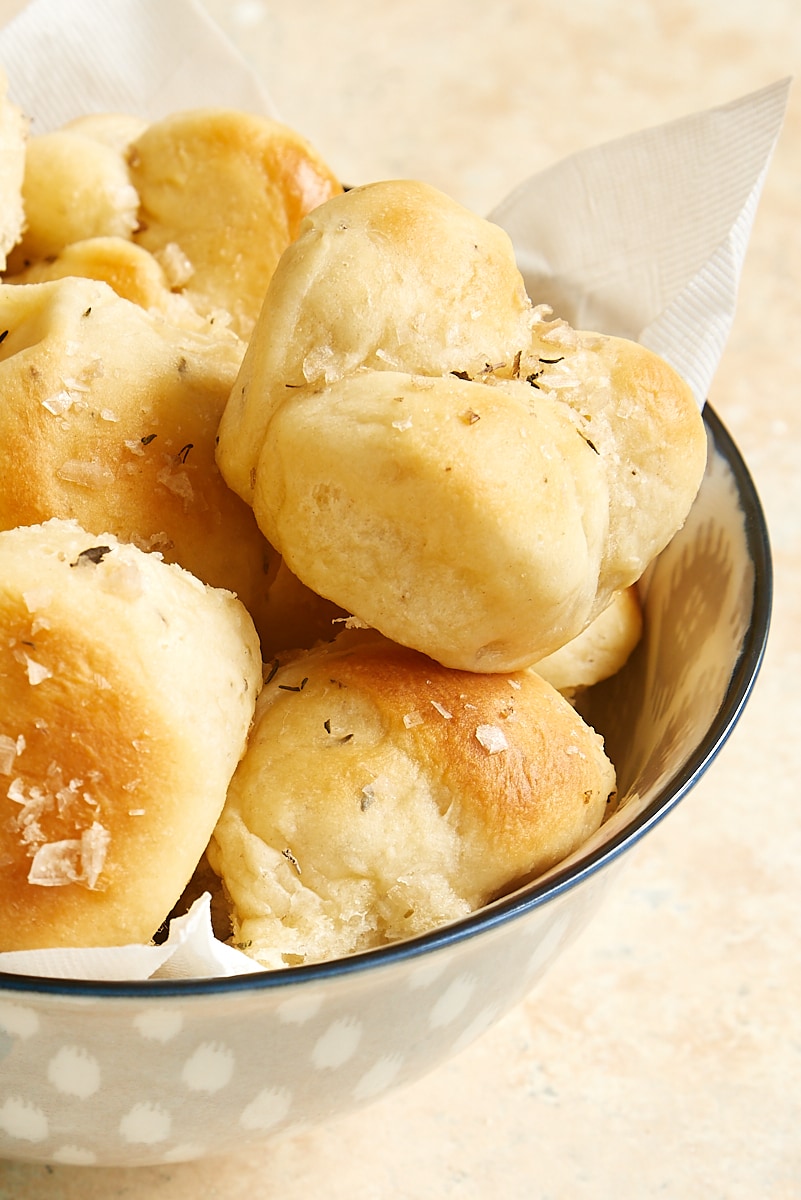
{"type": "Point", "coordinates": [167, 1071]}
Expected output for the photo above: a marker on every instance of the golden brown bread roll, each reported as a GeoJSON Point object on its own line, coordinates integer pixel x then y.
{"type": "Point", "coordinates": [224, 192]}
{"type": "Point", "coordinates": [382, 795]}
{"type": "Point", "coordinates": [109, 417]}
{"type": "Point", "coordinates": [130, 271]}
{"type": "Point", "coordinates": [126, 692]}
{"type": "Point", "coordinates": [434, 455]}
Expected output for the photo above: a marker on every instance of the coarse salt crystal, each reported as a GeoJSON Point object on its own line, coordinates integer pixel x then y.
{"type": "Point", "coordinates": [89, 474]}
{"type": "Point", "coordinates": [178, 484]}
{"type": "Point", "coordinates": [492, 738]}
{"type": "Point", "coordinates": [9, 749]}
{"type": "Point", "coordinates": [72, 860]}
{"type": "Point", "coordinates": [412, 718]}
{"type": "Point", "coordinates": [443, 712]}
{"type": "Point", "coordinates": [37, 673]}
{"type": "Point", "coordinates": [58, 404]}
{"type": "Point", "coordinates": [37, 598]}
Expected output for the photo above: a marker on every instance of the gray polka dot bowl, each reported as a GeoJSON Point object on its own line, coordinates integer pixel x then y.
{"type": "Point", "coordinates": [165, 1071]}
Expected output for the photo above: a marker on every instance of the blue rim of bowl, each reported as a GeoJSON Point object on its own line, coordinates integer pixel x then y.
{"type": "Point", "coordinates": [533, 895]}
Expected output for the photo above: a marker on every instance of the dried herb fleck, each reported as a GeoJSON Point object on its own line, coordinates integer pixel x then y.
{"type": "Point", "coordinates": [274, 665]}
{"type": "Point", "coordinates": [183, 453]}
{"type": "Point", "coordinates": [287, 853]}
{"type": "Point", "coordinates": [94, 554]}
{"type": "Point", "coordinates": [148, 438]}
{"type": "Point", "coordinates": [293, 687]}
{"type": "Point", "coordinates": [3, 336]}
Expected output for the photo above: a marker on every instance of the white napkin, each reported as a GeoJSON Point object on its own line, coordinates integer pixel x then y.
{"type": "Point", "coordinates": [64, 58]}
{"type": "Point", "coordinates": [643, 237]}
{"type": "Point", "coordinates": [190, 952]}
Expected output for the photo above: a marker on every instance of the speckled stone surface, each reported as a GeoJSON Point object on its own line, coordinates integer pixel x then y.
{"type": "Point", "coordinates": [661, 1056]}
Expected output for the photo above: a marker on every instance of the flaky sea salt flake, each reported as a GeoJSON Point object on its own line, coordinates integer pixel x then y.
{"type": "Point", "coordinates": [37, 672]}
{"type": "Point", "coordinates": [492, 738]}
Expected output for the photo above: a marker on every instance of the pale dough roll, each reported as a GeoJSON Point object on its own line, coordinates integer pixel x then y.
{"type": "Point", "coordinates": [226, 191]}
{"type": "Point", "coordinates": [434, 455]}
{"type": "Point", "coordinates": [75, 187]}
{"type": "Point", "coordinates": [395, 276]}
{"type": "Point", "coordinates": [600, 651]}
{"type": "Point", "coordinates": [126, 691]}
{"type": "Point", "coordinates": [13, 134]}
{"type": "Point", "coordinates": [382, 795]}
{"type": "Point", "coordinates": [110, 417]}
{"type": "Point", "coordinates": [459, 537]}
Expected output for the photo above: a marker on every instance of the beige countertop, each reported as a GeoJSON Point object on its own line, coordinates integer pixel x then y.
{"type": "Point", "coordinates": [661, 1057]}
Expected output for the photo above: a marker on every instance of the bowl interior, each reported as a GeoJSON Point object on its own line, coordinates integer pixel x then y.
{"type": "Point", "coordinates": [707, 602]}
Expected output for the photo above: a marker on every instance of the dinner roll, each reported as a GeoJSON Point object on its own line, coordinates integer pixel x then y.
{"type": "Point", "coordinates": [223, 192]}
{"type": "Point", "coordinates": [382, 795]}
{"type": "Point", "coordinates": [130, 271]}
{"type": "Point", "coordinates": [13, 132]}
{"type": "Point", "coordinates": [428, 451]}
{"type": "Point", "coordinates": [390, 276]}
{"type": "Point", "coordinates": [600, 651]}
{"type": "Point", "coordinates": [74, 187]}
{"type": "Point", "coordinates": [126, 691]}
{"type": "Point", "coordinates": [110, 417]}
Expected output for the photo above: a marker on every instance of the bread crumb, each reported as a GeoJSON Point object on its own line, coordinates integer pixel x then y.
{"type": "Point", "coordinates": [175, 264]}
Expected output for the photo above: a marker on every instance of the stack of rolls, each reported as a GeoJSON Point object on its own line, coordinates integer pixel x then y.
{"type": "Point", "coordinates": [334, 447]}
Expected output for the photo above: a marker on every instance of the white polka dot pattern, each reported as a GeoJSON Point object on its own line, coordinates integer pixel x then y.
{"type": "Point", "coordinates": [267, 1110]}
{"type": "Point", "coordinates": [164, 1082]}
{"type": "Point", "coordinates": [147, 1123]}
{"type": "Point", "coordinates": [337, 1045]}
{"type": "Point", "coordinates": [209, 1068]}
{"type": "Point", "coordinates": [22, 1120]}
{"type": "Point", "coordinates": [75, 1072]}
